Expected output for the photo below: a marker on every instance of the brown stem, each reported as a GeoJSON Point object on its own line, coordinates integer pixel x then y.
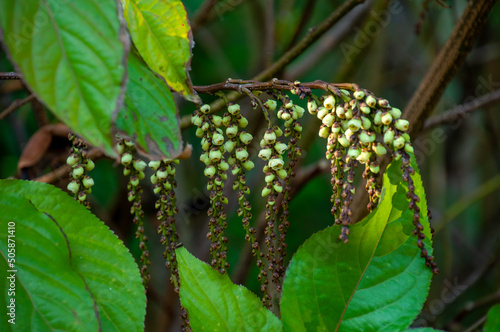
{"type": "Point", "coordinates": [203, 14]}
{"type": "Point", "coordinates": [449, 60]}
{"type": "Point", "coordinates": [462, 110]}
{"type": "Point", "coordinates": [9, 76]}
{"type": "Point", "coordinates": [306, 16]}
{"type": "Point", "coordinates": [15, 105]}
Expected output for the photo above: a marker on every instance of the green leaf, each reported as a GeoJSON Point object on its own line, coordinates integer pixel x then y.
{"type": "Point", "coordinates": [422, 329]}
{"type": "Point", "coordinates": [73, 273]}
{"type": "Point", "coordinates": [71, 55]}
{"type": "Point", "coordinates": [214, 303]}
{"type": "Point", "coordinates": [161, 32]}
{"type": "Point", "coordinates": [493, 320]}
{"type": "Point", "coordinates": [149, 115]}
{"type": "Point", "coordinates": [376, 282]}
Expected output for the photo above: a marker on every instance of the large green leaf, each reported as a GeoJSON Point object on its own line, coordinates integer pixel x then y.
{"type": "Point", "coordinates": [161, 32]}
{"type": "Point", "coordinates": [376, 282]}
{"type": "Point", "coordinates": [71, 54]}
{"type": "Point", "coordinates": [493, 320]}
{"type": "Point", "coordinates": [73, 273]}
{"type": "Point", "coordinates": [149, 115]}
{"type": "Point", "coordinates": [214, 303]}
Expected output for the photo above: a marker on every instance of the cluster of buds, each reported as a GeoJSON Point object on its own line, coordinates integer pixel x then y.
{"type": "Point", "coordinates": [290, 113]}
{"type": "Point", "coordinates": [360, 129]}
{"type": "Point", "coordinates": [163, 181]}
{"type": "Point", "coordinates": [134, 170]}
{"type": "Point", "coordinates": [81, 183]}
{"type": "Point", "coordinates": [212, 142]}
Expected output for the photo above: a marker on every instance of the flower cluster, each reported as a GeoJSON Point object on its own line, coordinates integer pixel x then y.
{"type": "Point", "coordinates": [134, 170]}
{"type": "Point", "coordinates": [81, 183]}
{"type": "Point", "coordinates": [212, 142]}
{"type": "Point", "coordinates": [360, 128]}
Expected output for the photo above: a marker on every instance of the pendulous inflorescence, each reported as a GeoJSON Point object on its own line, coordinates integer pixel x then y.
{"type": "Point", "coordinates": [81, 183]}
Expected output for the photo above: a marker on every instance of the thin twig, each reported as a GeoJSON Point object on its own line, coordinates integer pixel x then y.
{"type": "Point", "coordinates": [203, 14]}
{"type": "Point", "coordinates": [306, 16]}
{"type": "Point", "coordinates": [285, 59]}
{"type": "Point", "coordinates": [450, 58]}
{"type": "Point", "coordinates": [9, 76]}
{"type": "Point", "coordinates": [268, 33]}
{"type": "Point", "coordinates": [15, 105]}
{"type": "Point", "coordinates": [461, 110]}
{"type": "Point", "coordinates": [62, 172]}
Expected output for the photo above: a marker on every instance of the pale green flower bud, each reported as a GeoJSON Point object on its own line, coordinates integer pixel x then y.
{"type": "Point", "coordinates": [364, 156]}
{"type": "Point", "coordinates": [344, 141]}
{"type": "Point", "coordinates": [232, 130]}
{"type": "Point", "coordinates": [226, 120]}
{"type": "Point", "coordinates": [199, 132]}
{"type": "Point", "coordinates": [406, 137]}
{"type": "Point", "coordinates": [129, 143]}
{"type": "Point", "coordinates": [205, 108]}
{"type": "Point", "coordinates": [389, 136]}
{"type": "Point", "coordinates": [386, 118]}
{"type": "Point", "coordinates": [370, 101]}
{"type": "Point", "coordinates": [397, 155]}
{"type": "Point", "coordinates": [270, 104]}
{"type": "Point", "coordinates": [126, 171]}
{"type": "Point", "coordinates": [157, 188]}
{"type": "Point", "coordinates": [204, 158]}
{"type": "Point", "coordinates": [209, 171]}
{"type": "Point", "coordinates": [348, 114]}
{"type": "Point", "coordinates": [365, 123]}
{"type": "Point", "coordinates": [89, 165]}
{"type": "Point", "coordinates": [231, 161]}
{"type": "Point", "coordinates": [377, 119]}
{"type": "Point", "coordinates": [248, 165]}
{"type": "Point", "coordinates": [322, 112]}
{"type": "Point", "coordinates": [266, 191]}
{"type": "Point", "coordinates": [353, 153]}
{"type": "Point", "coordinates": [374, 167]}
{"type": "Point", "coordinates": [383, 103]}
{"type": "Point", "coordinates": [229, 146]}
{"type": "Point", "coordinates": [196, 120]}
{"type": "Point", "coordinates": [167, 185]}
{"type": "Point", "coordinates": [82, 196]}
{"type": "Point", "coordinates": [126, 159]}
{"type": "Point", "coordinates": [223, 165]}
{"type": "Point", "coordinates": [216, 120]}
{"type": "Point", "coordinates": [329, 102]}
{"type": "Point", "coordinates": [328, 119]}
{"type": "Point", "coordinates": [395, 112]}
{"type": "Point", "coordinates": [336, 128]}
{"type": "Point", "coordinates": [270, 136]}
{"type": "Point", "coordinates": [379, 149]}
{"type": "Point", "coordinates": [364, 108]}
{"type": "Point", "coordinates": [217, 139]}
{"type": "Point", "coordinates": [245, 137]}
{"type": "Point", "coordinates": [78, 171]}
{"type": "Point", "coordinates": [277, 131]}
{"type": "Point", "coordinates": [233, 109]}
{"type": "Point", "coordinates": [131, 196]}
{"type": "Point", "coordinates": [359, 94]}
{"type": "Point", "coordinates": [399, 142]}
{"type": "Point", "coordinates": [409, 148]}
{"type": "Point", "coordinates": [141, 175]}
{"type": "Point", "coordinates": [224, 200]}
{"type": "Point", "coordinates": [402, 124]}
{"type": "Point", "coordinates": [280, 147]}
{"type": "Point", "coordinates": [205, 144]}
{"type": "Point", "coordinates": [289, 104]}
{"type": "Point", "coordinates": [276, 163]}
{"type": "Point", "coordinates": [281, 173]}
{"type": "Point", "coordinates": [120, 147]}
{"type": "Point", "coordinates": [354, 124]}
{"type": "Point", "coordinates": [312, 107]}
{"type": "Point", "coordinates": [73, 186]}
{"type": "Point", "coordinates": [242, 122]}
{"type": "Point", "coordinates": [87, 181]}
{"type": "Point", "coordinates": [269, 177]}
{"type": "Point", "coordinates": [235, 169]}
{"type": "Point", "coordinates": [348, 134]}
{"type": "Point", "coordinates": [205, 126]}
{"type": "Point", "coordinates": [265, 153]}
{"type": "Point", "coordinates": [241, 154]}
{"type": "Point", "coordinates": [162, 174]}
{"type": "Point", "coordinates": [339, 110]}
{"type": "Point", "coordinates": [298, 110]}
{"type": "Point", "coordinates": [139, 165]}
{"type": "Point", "coordinates": [277, 187]}
{"type": "Point", "coordinates": [215, 155]}
{"type": "Point", "coordinates": [297, 127]}
{"type": "Point", "coordinates": [134, 180]}
{"type": "Point", "coordinates": [72, 159]}
{"type": "Point", "coordinates": [324, 131]}
{"type": "Point", "coordinates": [366, 137]}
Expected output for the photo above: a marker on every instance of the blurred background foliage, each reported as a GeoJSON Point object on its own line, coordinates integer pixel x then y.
{"type": "Point", "coordinates": [375, 46]}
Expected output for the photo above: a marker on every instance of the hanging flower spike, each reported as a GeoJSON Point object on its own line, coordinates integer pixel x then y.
{"type": "Point", "coordinates": [81, 183]}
